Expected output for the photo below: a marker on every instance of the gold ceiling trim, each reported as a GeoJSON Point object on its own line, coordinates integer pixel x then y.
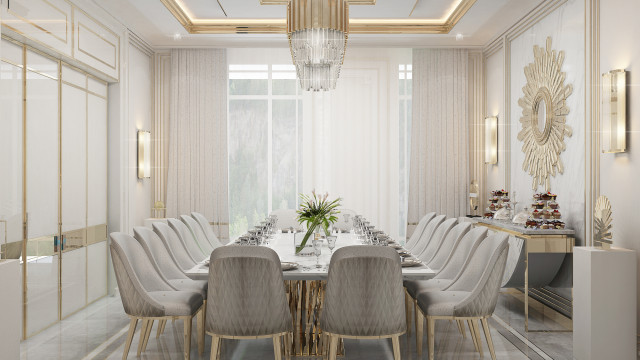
{"type": "Point", "coordinates": [356, 26]}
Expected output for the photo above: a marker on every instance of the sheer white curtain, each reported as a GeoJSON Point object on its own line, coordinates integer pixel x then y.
{"type": "Point", "coordinates": [439, 170]}
{"type": "Point", "coordinates": [351, 139]}
{"type": "Point", "coordinates": [198, 164]}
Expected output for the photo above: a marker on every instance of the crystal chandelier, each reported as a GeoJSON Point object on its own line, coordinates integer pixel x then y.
{"type": "Point", "coordinates": [318, 31]}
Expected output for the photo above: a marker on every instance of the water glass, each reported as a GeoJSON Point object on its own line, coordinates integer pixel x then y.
{"type": "Point", "coordinates": [317, 249]}
{"type": "Point", "coordinates": [331, 243]}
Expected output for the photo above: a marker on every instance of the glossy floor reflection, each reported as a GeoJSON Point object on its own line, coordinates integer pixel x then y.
{"type": "Point", "coordinates": [99, 332]}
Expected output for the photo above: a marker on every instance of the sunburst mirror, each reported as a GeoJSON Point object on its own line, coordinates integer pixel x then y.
{"type": "Point", "coordinates": [602, 223]}
{"type": "Point", "coordinates": [544, 112]}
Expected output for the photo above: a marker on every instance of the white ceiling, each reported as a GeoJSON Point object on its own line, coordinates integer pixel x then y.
{"type": "Point", "coordinates": [243, 9]}
{"type": "Point", "coordinates": [485, 20]}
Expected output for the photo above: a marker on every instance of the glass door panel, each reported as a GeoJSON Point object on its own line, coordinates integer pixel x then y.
{"type": "Point", "coordinates": [11, 233]}
{"type": "Point", "coordinates": [42, 191]}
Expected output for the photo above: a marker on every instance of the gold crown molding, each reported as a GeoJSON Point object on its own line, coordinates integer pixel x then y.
{"type": "Point", "coordinates": [356, 26]}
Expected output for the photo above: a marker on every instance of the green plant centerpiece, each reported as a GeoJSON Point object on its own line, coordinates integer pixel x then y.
{"type": "Point", "coordinates": [317, 213]}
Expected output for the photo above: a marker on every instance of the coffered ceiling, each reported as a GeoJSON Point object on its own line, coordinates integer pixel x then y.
{"type": "Point", "coordinates": [240, 23]}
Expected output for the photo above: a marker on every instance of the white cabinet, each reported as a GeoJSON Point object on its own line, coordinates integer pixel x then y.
{"type": "Point", "coordinates": [604, 303]}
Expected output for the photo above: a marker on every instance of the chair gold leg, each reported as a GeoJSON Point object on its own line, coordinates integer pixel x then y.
{"type": "Point", "coordinates": [419, 332]}
{"type": "Point", "coordinates": [407, 310]}
{"type": "Point", "coordinates": [132, 329]}
{"type": "Point", "coordinates": [277, 348]}
{"type": "Point", "coordinates": [476, 330]}
{"type": "Point", "coordinates": [333, 347]}
{"type": "Point", "coordinates": [187, 337]}
{"type": "Point", "coordinates": [461, 328]}
{"type": "Point", "coordinates": [487, 334]}
{"type": "Point", "coordinates": [396, 347]}
{"type": "Point", "coordinates": [287, 345]}
{"type": "Point", "coordinates": [473, 335]}
{"type": "Point", "coordinates": [147, 335]}
{"type": "Point", "coordinates": [143, 334]}
{"type": "Point", "coordinates": [431, 336]}
{"type": "Point", "coordinates": [215, 345]}
{"type": "Point", "coordinates": [200, 330]}
{"type": "Point", "coordinates": [161, 325]}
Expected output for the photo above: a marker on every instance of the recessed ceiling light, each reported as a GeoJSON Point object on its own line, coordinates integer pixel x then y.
{"type": "Point", "coordinates": [459, 37]}
{"type": "Point", "coordinates": [177, 36]}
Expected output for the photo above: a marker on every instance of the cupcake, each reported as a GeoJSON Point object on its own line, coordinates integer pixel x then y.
{"type": "Point", "coordinates": [553, 196]}
{"type": "Point", "coordinates": [559, 225]}
{"type": "Point", "coordinates": [531, 224]}
{"type": "Point", "coordinates": [506, 198]}
{"type": "Point", "coordinates": [536, 196]}
{"type": "Point", "coordinates": [492, 207]}
{"type": "Point", "coordinates": [546, 214]}
{"type": "Point", "coordinates": [546, 226]}
{"type": "Point", "coordinates": [553, 205]}
{"type": "Point", "coordinates": [545, 197]}
{"type": "Point", "coordinates": [494, 199]}
{"type": "Point", "coordinates": [499, 192]}
{"type": "Point", "coordinates": [536, 214]}
{"type": "Point", "coordinates": [556, 214]}
{"type": "Point", "coordinates": [539, 205]}
{"type": "Point", "coordinates": [488, 215]}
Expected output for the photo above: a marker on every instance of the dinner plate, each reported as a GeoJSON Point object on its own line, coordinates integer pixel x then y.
{"type": "Point", "coordinates": [395, 246]}
{"type": "Point", "coordinates": [288, 266]}
{"type": "Point", "coordinates": [404, 253]}
{"type": "Point", "coordinates": [411, 262]}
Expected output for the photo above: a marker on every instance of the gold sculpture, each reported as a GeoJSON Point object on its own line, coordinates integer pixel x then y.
{"type": "Point", "coordinates": [603, 223]}
{"type": "Point", "coordinates": [474, 193]}
{"type": "Point", "coordinates": [544, 112]}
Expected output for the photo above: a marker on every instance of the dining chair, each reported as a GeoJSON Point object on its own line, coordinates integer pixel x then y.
{"type": "Point", "coordinates": [438, 237]}
{"type": "Point", "coordinates": [450, 271]}
{"type": "Point", "coordinates": [364, 297]}
{"type": "Point", "coordinates": [207, 230]}
{"type": "Point", "coordinates": [472, 297]}
{"type": "Point", "coordinates": [427, 234]}
{"type": "Point", "coordinates": [287, 218]}
{"type": "Point", "coordinates": [169, 270]}
{"type": "Point", "coordinates": [187, 239]}
{"type": "Point", "coordinates": [449, 245]}
{"type": "Point", "coordinates": [177, 249]}
{"type": "Point", "coordinates": [147, 296]}
{"type": "Point", "coordinates": [198, 234]}
{"type": "Point", "coordinates": [417, 232]}
{"type": "Point", "coordinates": [247, 298]}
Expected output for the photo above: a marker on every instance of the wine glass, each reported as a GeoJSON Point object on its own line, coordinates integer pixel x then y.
{"type": "Point", "coordinates": [317, 249]}
{"type": "Point", "coordinates": [331, 243]}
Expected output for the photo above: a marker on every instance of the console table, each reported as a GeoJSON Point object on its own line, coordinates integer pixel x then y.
{"type": "Point", "coordinates": [535, 241]}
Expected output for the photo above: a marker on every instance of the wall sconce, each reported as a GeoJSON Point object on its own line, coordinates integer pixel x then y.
{"type": "Point", "coordinates": [144, 154]}
{"type": "Point", "coordinates": [614, 111]}
{"type": "Point", "coordinates": [491, 140]}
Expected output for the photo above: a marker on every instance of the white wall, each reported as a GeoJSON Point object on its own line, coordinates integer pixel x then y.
{"type": "Point", "coordinates": [619, 173]}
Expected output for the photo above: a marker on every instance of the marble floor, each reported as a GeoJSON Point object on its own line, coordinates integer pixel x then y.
{"type": "Point", "coordinates": [99, 332]}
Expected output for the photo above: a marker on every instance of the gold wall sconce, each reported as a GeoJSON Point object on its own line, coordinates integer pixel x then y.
{"type": "Point", "coordinates": [614, 111]}
{"type": "Point", "coordinates": [144, 154]}
{"type": "Point", "coordinates": [491, 140]}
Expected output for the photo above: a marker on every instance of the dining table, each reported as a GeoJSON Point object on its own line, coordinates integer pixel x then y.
{"type": "Point", "coordinates": [305, 280]}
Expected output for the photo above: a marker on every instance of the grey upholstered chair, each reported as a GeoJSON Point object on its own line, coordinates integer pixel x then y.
{"type": "Point", "coordinates": [287, 218]}
{"type": "Point", "coordinates": [473, 296]}
{"type": "Point", "coordinates": [169, 270]}
{"type": "Point", "coordinates": [427, 234]}
{"type": "Point", "coordinates": [453, 268]}
{"type": "Point", "coordinates": [207, 230]}
{"type": "Point", "coordinates": [417, 232]}
{"type": "Point", "coordinates": [364, 296]}
{"type": "Point", "coordinates": [198, 234]}
{"type": "Point", "coordinates": [449, 244]}
{"type": "Point", "coordinates": [147, 296]}
{"type": "Point", "coordinates": [177, 249]}
{"type": "Point", "coordinates": [247, 299]}
{"type": "Point", "coordinates": [186, 237]}
{"type": "Point", "coordinates": [436, 240]}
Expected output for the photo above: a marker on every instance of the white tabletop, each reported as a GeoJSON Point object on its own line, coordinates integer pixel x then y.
{"type": "Point", "coordinates": [283, 246]}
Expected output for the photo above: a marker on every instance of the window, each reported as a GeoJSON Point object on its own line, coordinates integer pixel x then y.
{"type": "Point", "coordinates": [405, 80]}
{"type": "Point", "coordinates": [265, 132]}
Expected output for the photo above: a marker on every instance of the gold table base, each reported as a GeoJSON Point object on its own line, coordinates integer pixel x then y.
{"type": "Point", "coordinates": [306, 298]}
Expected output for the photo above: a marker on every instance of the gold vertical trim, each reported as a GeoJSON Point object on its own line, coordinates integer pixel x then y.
{"type": "Point", "coordinates": [25, 228]}
{"type": "Point", "coordinates": [60, 235]}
